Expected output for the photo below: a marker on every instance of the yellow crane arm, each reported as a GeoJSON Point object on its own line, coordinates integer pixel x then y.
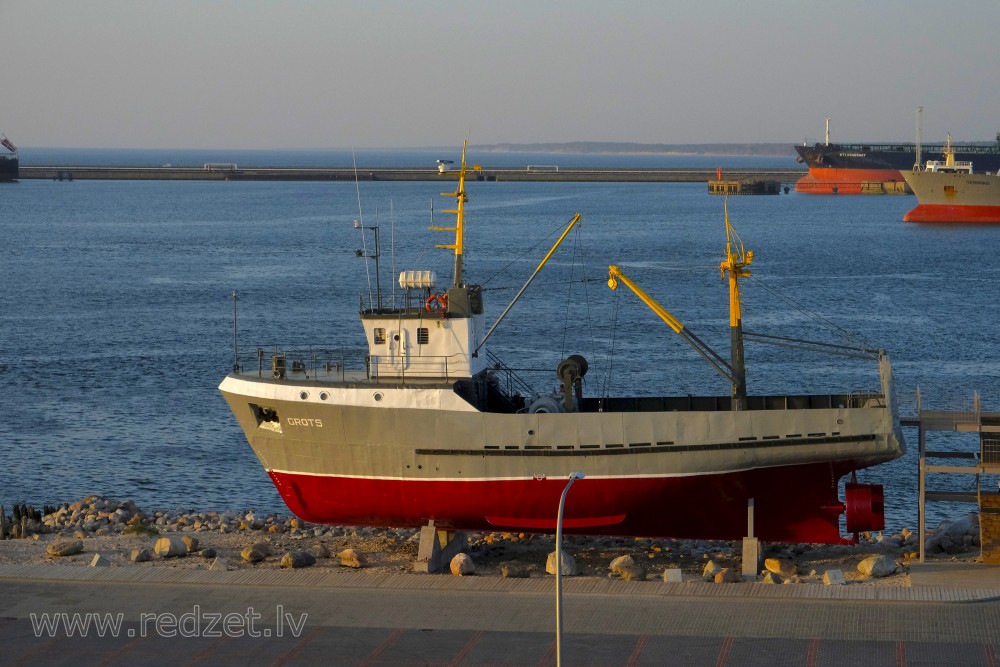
{"type": "Point", "coordinates": [615, 276]}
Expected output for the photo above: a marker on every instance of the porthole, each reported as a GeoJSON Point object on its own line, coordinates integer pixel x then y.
{"type": "Point", "coordinates": [304, 395]}
{"type": "Point", "coordinates": [323, 395]}
{"type": "Point", "coordinates": [377, 396]}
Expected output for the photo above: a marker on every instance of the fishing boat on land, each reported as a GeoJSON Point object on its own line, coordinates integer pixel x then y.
{"type": "Point", "coordinates": [431, 428]}
{"type": "Point", "coordinates": [950, 191]}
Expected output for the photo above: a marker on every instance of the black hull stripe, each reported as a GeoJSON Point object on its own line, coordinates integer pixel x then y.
{"type": "Point", "coordinates": [617, 450]}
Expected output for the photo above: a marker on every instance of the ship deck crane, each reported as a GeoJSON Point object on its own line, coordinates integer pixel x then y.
{"type": "Point", "coordinates": [736, 263]}
{"type": "Point", "coordinates": [615, 276]}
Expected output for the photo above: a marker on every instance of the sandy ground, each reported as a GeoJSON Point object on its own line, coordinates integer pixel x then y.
{"type": "Point", "coordinates": [396, 550]}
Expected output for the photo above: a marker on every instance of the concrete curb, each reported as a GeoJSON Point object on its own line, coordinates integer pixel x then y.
{"type": "Point", "coordinates": [935, 592]}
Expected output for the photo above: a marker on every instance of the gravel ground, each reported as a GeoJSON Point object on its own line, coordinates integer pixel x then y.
{"type": "Point", "coordinates": [115, 529]}
{"type": "Point", "coordinates": [395, 551]}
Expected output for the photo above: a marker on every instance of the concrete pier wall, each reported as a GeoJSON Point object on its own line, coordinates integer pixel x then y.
{"type": "Point", "coordinates": [57, 172]}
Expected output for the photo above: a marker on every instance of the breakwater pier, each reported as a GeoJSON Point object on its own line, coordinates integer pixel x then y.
{"type": "Point", "coordinates": [544, 173]}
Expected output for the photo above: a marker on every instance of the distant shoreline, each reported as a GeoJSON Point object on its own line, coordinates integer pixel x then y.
{"type": "Point", "coordinates": [628, 148]}
{"type": "Point", "coordinates": [565, 148]}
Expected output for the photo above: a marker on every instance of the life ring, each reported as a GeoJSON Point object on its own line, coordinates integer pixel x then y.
{"type": "Point", "coordinates": [441, 301]}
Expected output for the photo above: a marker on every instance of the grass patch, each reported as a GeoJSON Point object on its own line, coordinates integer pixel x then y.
{"type": "Point", "coordinates": [140, 529]}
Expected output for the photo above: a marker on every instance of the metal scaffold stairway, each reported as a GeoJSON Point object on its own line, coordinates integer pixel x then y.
{"type": "Point", "coordinates": [985, 461]}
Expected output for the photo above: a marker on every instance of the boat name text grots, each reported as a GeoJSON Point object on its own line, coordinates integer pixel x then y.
{"type": "Point", "coordinates": [296, 421]}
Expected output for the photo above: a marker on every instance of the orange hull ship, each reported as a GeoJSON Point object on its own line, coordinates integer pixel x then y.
{"type": "Point", "coordinates": [852, 169]}
{"type": "Point", "coordinates": [949, 191]}
{"type": "Point", "coordinates": [844, 181]}
{"type": "Point", "coordinates": [951, 197]}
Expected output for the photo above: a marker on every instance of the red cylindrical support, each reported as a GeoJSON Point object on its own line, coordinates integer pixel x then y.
{"type": "Point", "coordinates": [865, 507]}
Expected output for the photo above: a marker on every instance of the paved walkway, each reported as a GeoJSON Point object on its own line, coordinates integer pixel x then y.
{"type": "Point", "coordinates": [158, 615]}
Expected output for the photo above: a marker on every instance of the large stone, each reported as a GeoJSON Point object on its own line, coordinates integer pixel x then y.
{"type": "Point", "coordinates": [351, 558]}
{"type": "Point", "coordinates": [673, 575]}
{"type": "Point", "coordinates": [953, 544]}
{"type": "Point", "coordinates": [514, 571]}
{"type": "Point", "coordinates": [967, 525]}
{"type": "Point", "coordinates": [141, 555]}
{"type": "Point", "coordinates": [297, 559]}
{"type": "Point", "coordinates": [891, 541]}
{"type": "Point", "coordinates": [834, 578]}
{"type": "Point", "coordinates": [219, 564]}
{"type": "Point", "coordinates": [877, 566]}
{"type": "Point", "coordinates": [462, 565]}
{"type": "Point", "coordinates": [727, 575]}
{"type": "Point", "coordinates": [771, 578]}
{"type": "Point", "coordinates": [65, 547]}
{"type": "Point", "coordinates": [711, 569]}
{"type": "Point", "coordinates": [170, 547]}
{"type": "Point", "coordinates": [781, 566]}
{"type": "Point", "coordinates": [256, 552]}
{"type": "Point", "coordinates": [99, 561]}
{"type": "Point", "coordinates": [567, 564]}
{"type": "Point", "coordinates": [190, 543]}
{"type": "Point", "coordinates": [319, 550]}
{"type": "Point", "coordinates": [632, 572]}
{"type": "Point", "coordinates": [621, 561]}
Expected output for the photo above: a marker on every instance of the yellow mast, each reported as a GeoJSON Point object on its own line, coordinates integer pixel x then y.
{"type": "Point", "coordinates": [459, 211]}
{"type": "Point", "coordinates": [949, 154]}
{"type": "Point", "coordinates": [737, 259]}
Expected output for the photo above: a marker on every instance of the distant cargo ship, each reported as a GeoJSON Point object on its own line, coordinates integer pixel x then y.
{"type": "Point", "coordinates": [851, 169]}
{"type": "Point", "coordinates": [8, 161]}
{"type": "Point", "coordinates": [950, 191]}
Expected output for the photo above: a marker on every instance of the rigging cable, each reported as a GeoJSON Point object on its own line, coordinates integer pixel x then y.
{"type": "Point", "coordinates": [606, 388]}
{"type": "Point", "coordinates": [522, 255]}
{"type": "Point", "coordinates": [849, 336]}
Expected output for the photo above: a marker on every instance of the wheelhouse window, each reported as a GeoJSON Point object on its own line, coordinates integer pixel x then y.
{"type": "Point", "coordinates": [379, 336]}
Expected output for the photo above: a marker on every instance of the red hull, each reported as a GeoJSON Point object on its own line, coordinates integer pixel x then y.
{"type": "Point", "coordinates": [948, 213]}
{"type": "Point", "coordinates": [829, 180]}
{"type": "Point", "coordinates": [791, 504]}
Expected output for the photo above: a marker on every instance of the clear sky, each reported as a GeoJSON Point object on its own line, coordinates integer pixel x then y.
{"type": "Point", "coordinates": [374, 73]}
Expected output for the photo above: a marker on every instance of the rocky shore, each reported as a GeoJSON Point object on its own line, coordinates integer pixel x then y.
{"type": "Point", "coordinates": [98, 531]}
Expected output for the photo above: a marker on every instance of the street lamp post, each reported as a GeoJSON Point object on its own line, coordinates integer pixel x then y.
{"type": "Point", "coordinates": [573, 476]}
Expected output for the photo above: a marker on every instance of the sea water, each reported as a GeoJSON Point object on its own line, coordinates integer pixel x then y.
{"type": "Point", "coordinates": [116, 310]}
